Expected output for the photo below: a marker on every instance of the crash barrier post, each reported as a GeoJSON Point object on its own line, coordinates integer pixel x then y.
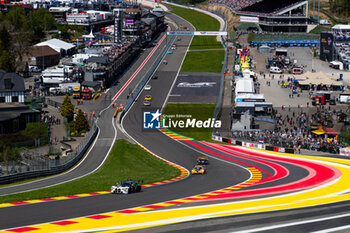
{"type": "Point", "coordinates": [39, 168]}
{"type": "Point", "coordinates": [146, 77]}
{"type": "Point", "coordinates": [253, 145]}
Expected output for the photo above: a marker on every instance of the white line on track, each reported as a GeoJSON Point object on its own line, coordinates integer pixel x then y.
{"type": "Point", "coordinates": [342, 228]}
{"type": "Point", "coordinates": [296, 223]}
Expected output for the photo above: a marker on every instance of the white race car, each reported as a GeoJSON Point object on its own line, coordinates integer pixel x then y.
{"type": "Point", "coordinates": [126, 187]}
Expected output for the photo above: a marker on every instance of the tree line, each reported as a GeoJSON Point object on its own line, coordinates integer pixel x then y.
{"type": "Point", "coordinates": [18, 31]}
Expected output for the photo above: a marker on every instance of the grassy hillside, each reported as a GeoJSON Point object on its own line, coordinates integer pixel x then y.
{"type": "Point", "coordinates": [201, 22]}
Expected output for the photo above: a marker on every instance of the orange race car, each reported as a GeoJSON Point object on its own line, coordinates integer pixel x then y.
{"type": "Point", "coordinates": [202, 160]}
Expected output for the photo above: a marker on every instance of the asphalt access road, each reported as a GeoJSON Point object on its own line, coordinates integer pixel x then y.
{"type": "Point", "coordinates": [105, 138]}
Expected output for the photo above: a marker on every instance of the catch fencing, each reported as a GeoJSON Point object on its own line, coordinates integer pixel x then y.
{"type": "Point", "coordinates": [218, 108]}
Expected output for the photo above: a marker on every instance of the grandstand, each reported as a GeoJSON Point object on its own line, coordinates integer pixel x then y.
{"type": "Point", "coordinates": [235, 5]}
{"type": "Point", "coordinates": [279, 16]}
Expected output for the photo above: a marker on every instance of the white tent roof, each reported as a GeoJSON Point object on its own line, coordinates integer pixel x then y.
{"type": "Point", "coordinates": [59, 8]}
{"type": "Point", "coordinates": [341, 27]}
{"type": "Point", "coordinates": [244, 85]}
{"type": "Point", "coordinates": [250, 96]}
{"type": "Point", "coordinates": [336, 62]}
{"type": "Point", "coordinates": [57, 44]}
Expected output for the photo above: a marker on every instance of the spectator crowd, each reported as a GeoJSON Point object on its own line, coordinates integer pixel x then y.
{"type": "Point", "coordinates": [234, 5]}
{"type": "Point", "coordinates": [294, 130]}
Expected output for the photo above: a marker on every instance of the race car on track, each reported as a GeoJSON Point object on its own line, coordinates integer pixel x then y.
{"type": "Point", "coordinates": [148, 87]}
{"type": "Point", "coordinates": [202, 160]}
{"type": "Point", "coordinates": [126, 187]}
{"type": "Point", "coordinates": [147, 103]}
{"type": "Point", "coordinates": [199, 169]}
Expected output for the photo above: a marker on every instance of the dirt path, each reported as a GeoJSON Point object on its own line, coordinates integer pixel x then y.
{"type": "Point", "coordinates": [231, 19]}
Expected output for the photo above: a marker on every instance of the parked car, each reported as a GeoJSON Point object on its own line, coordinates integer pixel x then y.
{"type": "Point", "coordinates": [275, 69]}
{"type": "Point", "coordinates": [34, 69]}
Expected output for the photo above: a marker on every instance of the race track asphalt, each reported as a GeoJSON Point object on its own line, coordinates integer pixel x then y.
{"type": "Point", "coordinates": [221, 173]}
{"type": "Point", "coordinates": [222, 176]}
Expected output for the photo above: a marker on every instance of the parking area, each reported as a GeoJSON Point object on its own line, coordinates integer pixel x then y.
{"type": "Point", "coordinates": [270, 84]}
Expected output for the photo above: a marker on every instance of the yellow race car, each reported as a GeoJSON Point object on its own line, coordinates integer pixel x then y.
{"type": "Point", "coordinates": [199, 169]}
{"type": "Point", "coordinates": [148, 97]}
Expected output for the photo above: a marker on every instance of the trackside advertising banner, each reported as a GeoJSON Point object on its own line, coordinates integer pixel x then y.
{"type": "Point", "coordinates": [197, 33]}
{"type": "Point", "coordinates": [248, 19]}
{"type": "Point", "coordinates": [210, 33]}
{"type": "Point", "coordinates": [253, 145]}
{"type": "Point", "coordinates": [344, 151]}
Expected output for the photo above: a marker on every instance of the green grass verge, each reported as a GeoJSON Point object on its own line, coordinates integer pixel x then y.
{"type": "Point", "coordinates": [319, 29]}
{"type": "Point", "coordinates": [201, 22]}
{"type": "Point", "coordinates": [198, 111]}
{"type": "Point", "coordinates": [265, 37]}
{"type": "Point", "coordinates": [205, 42]}
{"type": "Point", "coordinates": [203, 61]}
{"type": "Point", "coordinates": [126, 161]}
